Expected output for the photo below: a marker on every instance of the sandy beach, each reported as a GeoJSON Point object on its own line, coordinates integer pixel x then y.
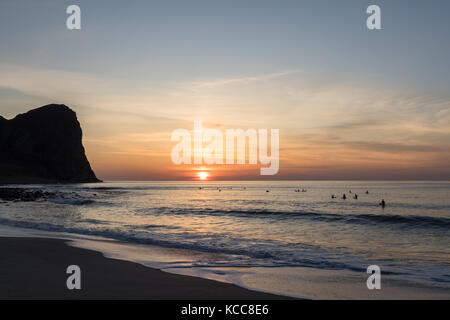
{"type": "Point", "coordinates": [35, 268]}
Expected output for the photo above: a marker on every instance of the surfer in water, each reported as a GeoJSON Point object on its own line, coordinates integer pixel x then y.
{"type": "Point", "coordinates": [344, 196]}
{"type": "Point", "coordinates": [382, 203]}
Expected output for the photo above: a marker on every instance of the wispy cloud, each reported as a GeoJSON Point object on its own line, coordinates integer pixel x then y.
{"type": "Point", "coordinates": [239, 80]}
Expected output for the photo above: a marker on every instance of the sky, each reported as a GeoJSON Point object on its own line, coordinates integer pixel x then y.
{"type": "Point", "coordinates": [350, 103]}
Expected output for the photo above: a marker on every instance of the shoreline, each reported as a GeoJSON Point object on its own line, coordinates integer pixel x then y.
{"type": "Point", "coordinates": [35, 268]}
{"type": "Point", "coordinates": [120, 270]}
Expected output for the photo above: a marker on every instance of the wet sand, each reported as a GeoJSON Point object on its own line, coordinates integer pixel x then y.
{"type": "Point", "coordinates": [35, 268]}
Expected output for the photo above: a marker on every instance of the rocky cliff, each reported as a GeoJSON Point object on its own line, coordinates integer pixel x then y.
{"type": "Point", "coordinates": [43, 145]}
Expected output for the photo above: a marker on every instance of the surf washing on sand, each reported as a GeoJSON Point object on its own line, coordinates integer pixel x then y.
{"type": "Point", "coordinates": [276, 241]}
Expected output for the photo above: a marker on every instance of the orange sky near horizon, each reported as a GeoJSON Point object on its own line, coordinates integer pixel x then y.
{"type": "Point", "coordinates": [333, 131]}
{"type": "Point", "coordinates": [147, 157]}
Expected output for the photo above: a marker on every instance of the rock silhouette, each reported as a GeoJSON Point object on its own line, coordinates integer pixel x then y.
{"type": "Point", "coordinates": [21, 194]}
{"type": "Point", "coordinates": [43, 145]}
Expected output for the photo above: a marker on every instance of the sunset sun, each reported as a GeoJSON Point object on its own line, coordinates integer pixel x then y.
{"type": "Point", "coordinates": [203, 175]}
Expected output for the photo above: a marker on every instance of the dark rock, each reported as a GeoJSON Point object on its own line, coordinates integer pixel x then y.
{"type": "Point", "coordinates": [21, 194]}
{"type": "Point", "coordinates": [43, 145]}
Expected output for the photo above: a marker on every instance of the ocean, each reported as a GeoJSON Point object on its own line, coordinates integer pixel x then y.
{"type": "Point", "coordinates": [261, 235]}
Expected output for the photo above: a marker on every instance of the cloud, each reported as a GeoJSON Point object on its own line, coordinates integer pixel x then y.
{"type": "Point", "coordinates": [391, 148]}
{"type": "Point", "coordinates": [239, 80]}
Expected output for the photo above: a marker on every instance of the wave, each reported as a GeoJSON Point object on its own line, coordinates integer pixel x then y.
{"type": "Point", "coordinates": [151, 226]}
{"type": "Point", "coordinates": [74, 202]}
{"type": "Point", "coordinates": [239, 255]}
{"type": "Point", "coordinates": [238, 252]}
{"type": "Point", "coordinates": [411, 221]}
